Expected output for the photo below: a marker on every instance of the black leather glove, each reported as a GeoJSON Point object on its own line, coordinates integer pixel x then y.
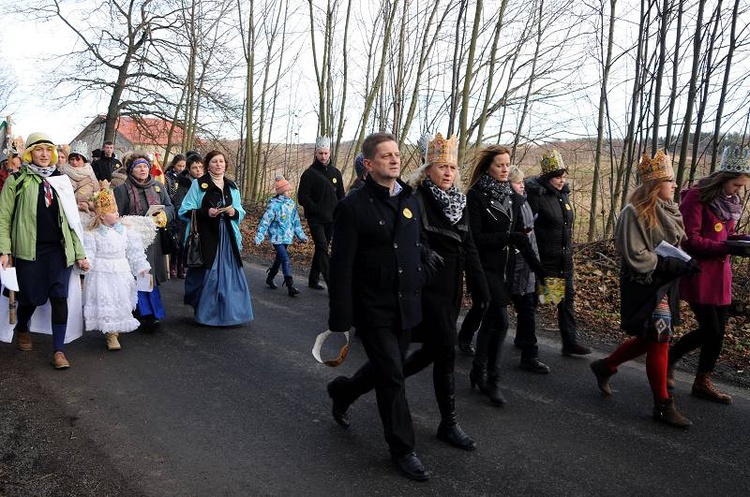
{"type": "Point", "coordinates": [738, 250]}
{"type": "Point", "coordinates": [433, 260]}
{"type": "Point", "coordinates": [693, 267]}
{"type": "Point", "coordinates": [541, 276]}
{"type": "Point", "coordinates": [519, 240]}
{"type": "Point", "coordinates": [675, 268]}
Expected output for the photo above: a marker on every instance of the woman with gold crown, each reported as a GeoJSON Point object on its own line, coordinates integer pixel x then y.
{"type": "Point", "coordinates": [117, 257]}
{"type": "Point", "coordinates": [648, 231]}
{"type": "Point", "coordinates": [711, 210]}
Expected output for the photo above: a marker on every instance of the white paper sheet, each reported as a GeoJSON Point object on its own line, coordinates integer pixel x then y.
{"type": "Point", "coordinates": [144, 283]}
{"type": "Point", "coordinates": [9, 279]}
{"type": "Point", "coordinates": [664, 249]}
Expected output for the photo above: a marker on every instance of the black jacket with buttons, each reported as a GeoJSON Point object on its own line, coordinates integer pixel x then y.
{"type": "Point", "coordinates": [376, 274]}
{"type": "Point", "coordinates": [320, 189]}
{"type": "Point", "coordinates": [553, 225]}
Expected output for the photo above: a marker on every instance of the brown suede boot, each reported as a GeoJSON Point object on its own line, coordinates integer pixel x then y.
{"type": "Point", "coordinates": [112, 342]}
{"type": "Point", "coordinates": [603, 373]}
{"type": "Point", "coordinates": [24, 341]}
{"type": "Point", "coordinates": [704, 389]}
{"type": "Point", "coordinates": [666, 412]}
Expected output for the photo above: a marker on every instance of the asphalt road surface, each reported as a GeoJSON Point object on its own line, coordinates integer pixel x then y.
{"type": "Point", "coordinates": [198, 411]}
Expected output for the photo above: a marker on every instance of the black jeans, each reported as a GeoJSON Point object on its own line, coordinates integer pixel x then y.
{"type": "Point", "coordinates": [712, 321]}
{"type": "Point", "coordinates": [490, 339]}
{"type": "Point", "coordinates": [385, 348]}
{"type": "Point", "coordinates": [566, 319]}
{"type": "Point", "coordinates": [321, 236]}
{"type": "Point", "coordinates": [525, 306]}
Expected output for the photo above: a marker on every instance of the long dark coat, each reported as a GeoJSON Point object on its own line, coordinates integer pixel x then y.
{"type": "Point", "coordinates": [441, 299]}
{"type": "Point", "coordinates": [320, 189]}
{"type": "Point", "coordinates": [491, 224]}
{"type": "Point", "coordinates": [376, 274]}
{"type": "Point", "coordinates": [553, 225]}
{"type": "Point", "coordinates": [208, 227]}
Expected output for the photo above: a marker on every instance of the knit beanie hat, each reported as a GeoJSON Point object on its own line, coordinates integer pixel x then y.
{"type": "Point", "coordinates": [281, 185]}
{"type": "Point", "coordinates": [38, 139]}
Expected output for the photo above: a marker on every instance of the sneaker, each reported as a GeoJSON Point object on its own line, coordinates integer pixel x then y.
{"type": "Point", "coordinates": [59, 361]}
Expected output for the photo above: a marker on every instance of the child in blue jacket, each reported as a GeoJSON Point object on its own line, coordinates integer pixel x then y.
{"type": "Point", "coordinates": [282, 223]}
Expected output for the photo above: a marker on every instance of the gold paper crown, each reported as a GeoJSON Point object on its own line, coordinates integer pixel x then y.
{"type": "Point", "coordinates": [552, 162]}
{"type": "Point", "coordinates": [657, 168]}
{"type": "Point", "coordinates": [442, 151]}
{"type": "Point", "coordinates": [735, 160]}
{"type": "Point", "coordinates": [104, 200]}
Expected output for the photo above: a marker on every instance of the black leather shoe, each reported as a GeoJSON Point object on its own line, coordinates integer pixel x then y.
{"type": "Point", "coordinates": [455, 436]}
{"type": "Point", "coordinates": [534, 365]}
{"type": "Point", "coordinates": [340, 409]}
{"type": "Point", "coordinates": [575, 349]}
{"type": "Point", "coordinates": [465, 348]}
{"type": "Point", "coordinates": [316, 286]}
{"type": "Point", "coordinates": [411, 467]}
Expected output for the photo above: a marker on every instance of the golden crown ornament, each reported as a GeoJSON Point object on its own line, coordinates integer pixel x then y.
{"type": "Point", "coordinates": [658, 167]}
{"type": "Point", "coordinates": [442, 151]}
{"type": "Point", "coordinates": [104, 200]}
{"type": "Point", "coordinates": [552, 163]}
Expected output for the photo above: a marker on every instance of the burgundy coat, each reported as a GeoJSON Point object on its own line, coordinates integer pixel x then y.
{"type": "Point", "coordinates": [706, 234]}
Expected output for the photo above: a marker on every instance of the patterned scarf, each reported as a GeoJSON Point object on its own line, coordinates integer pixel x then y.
{"type": "Point", "coordinates": [451, 201]}
{"type": "Point", "coordinates": [727, 208]}
{"type": "Point", "coordinates": [149, 189]}
{"type": "Point", "coordinates": [44, 172]}
{"type": "Point", "coordinates": [499, 190]}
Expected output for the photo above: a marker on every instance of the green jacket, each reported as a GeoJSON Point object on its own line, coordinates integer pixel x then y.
{"type": "Point", "coordinates": [18, 235]}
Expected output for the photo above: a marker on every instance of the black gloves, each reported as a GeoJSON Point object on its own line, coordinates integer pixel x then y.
{"type": "Point", "coordinates": [519, 240]}
{"type": "Point", "coordinates": [432, 260]}
{"type": "Point", "coordinates": [541, 275]}
{"type": "Point", "coordinates": [739, 250]}
{"type": "Point", "coordinates": [675, 268]}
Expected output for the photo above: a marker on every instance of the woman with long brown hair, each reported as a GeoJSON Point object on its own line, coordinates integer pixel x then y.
{"type": "Point", "coordinates": [711, 210]}
{"type": "Point", "coordinates": [648, 282]}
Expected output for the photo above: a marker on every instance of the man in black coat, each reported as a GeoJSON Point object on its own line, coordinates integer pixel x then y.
{"type": "Point", "coordinates": [375, 284]}
{"type": "Point", "coordinates": [320, 189]}
{"type": "Point", "coordinates": [106, 163]}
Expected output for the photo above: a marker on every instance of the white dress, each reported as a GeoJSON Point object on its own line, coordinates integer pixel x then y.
{"type": "Point", "coordinates": [116, 255]}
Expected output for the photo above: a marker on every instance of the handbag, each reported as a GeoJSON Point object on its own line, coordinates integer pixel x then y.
{"type": "Point", "coordinates": [170, 241]}
{"type": "Point", "coordinates": [194, 257]}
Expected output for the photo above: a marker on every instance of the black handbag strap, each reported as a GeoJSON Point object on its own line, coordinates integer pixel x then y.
{"type": "Point", "coordinates": [193, 222]}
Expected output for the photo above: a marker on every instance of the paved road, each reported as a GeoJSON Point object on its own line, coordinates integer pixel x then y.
{"type": "Point", "coordinates": [197, 411]}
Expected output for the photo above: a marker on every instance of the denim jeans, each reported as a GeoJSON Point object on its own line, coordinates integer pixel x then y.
{"type": "Point", "coordinates": [282, 259]}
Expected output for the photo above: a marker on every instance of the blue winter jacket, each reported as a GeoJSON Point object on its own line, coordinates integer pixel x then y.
{"type": "Point", "coordinates": [281, 220]}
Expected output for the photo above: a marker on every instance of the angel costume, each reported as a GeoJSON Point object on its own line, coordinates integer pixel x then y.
{"type": "Point", "coordinates": [117, 255]}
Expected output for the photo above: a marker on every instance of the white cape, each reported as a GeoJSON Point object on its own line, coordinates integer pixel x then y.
{"type": "Point", "coordinates": [41, 321]}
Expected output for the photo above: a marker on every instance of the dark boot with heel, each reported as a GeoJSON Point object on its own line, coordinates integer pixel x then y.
{"type": "Point", "coordinates": [289, 282]}
{"type": "Point", "coordinates": [449, 431]}
{"type": "Point", "coordinates": [665, 412]}
{"type": "Point", "coordinates": [271, 274]}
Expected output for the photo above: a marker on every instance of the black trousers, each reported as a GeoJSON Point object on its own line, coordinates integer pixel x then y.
{"type": "Point", "coordinates": [712, 321]}
{"type": "Point", "coordinates": [525, 306]}
{"type": "Point", "coordinates": [321, 236]}
{"type": "Point", "coordinates": [386, 348]}
{"type": "Point", "coordinates": [490, 339]}
{"type": "Point", "coordinates": [566, 319]}
{"type": "Point", "coordinates": [472, 321]}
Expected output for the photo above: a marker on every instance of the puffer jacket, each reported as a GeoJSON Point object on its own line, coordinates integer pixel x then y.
{"type": "Point", "coordinates": [553, 225]}
{"type": "Point", "coordinates": [281, 221]}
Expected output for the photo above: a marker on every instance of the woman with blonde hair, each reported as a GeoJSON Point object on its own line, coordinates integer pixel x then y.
{"type": "Point", "coordinates": [649, 228]}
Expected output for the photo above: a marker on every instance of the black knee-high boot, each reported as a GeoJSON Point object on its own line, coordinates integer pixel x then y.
{"type": "Point", "coordinates": [289, 282]}
{"type": "Point", "coordinates": [449, 431]}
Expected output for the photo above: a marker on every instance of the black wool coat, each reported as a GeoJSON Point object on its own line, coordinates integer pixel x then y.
{"type": "Point", "coordinates": [376, 274]}
{"type": "Point", "coordinates": [491, 224]}
{"type": "Point", "coordinates": [553, 225]}
{"type": "Point", "coordinates": [208, 227]}
{"type": "Point", "coordinates": [320, 189]}
{"type": "Point", "coordinates": [441, 300]}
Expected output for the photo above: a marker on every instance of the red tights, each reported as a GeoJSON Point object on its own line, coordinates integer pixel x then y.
{"type": "Point", "coordinates": [657, 355]}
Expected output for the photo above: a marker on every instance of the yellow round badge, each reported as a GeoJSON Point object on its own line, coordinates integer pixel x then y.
{"type": "Point", "coordinates": [407, 213]}
{"type": "Point", "coordinates": [718, 227]}
{"type": "Point", "coordinates": [567, 206]}
{"type": "Point", "coordinates": [157, 189]}
{"type": "Point", "coordinates": [335, 181]}
{"type": "Point", "coordinates": [204, 185]}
